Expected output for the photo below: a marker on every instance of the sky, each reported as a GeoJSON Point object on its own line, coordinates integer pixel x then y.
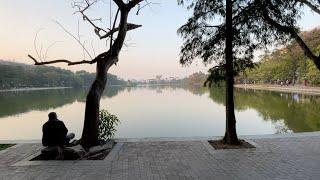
{"type": "Point", "coordinates": [151, 50]}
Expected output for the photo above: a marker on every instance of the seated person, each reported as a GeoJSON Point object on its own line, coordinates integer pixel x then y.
{"type": "Point", "coordinates": [55, 132]}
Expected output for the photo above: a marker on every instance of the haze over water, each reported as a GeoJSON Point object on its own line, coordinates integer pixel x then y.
{"type": "Point", "coordinates": [161, 111]}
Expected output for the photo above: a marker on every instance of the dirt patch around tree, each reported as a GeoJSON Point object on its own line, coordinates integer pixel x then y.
{"type": "Point", "coordinates": [99, 152]}
{"type": "Point", "coordinates": [219, 144]}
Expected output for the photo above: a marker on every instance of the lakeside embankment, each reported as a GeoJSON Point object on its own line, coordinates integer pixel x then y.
{"type": "Point", "coordinates": [33, 89]}
{"type": "Point", "coordinates": [279, 88]}
{"type": "Point", "coordinates": [289, 157]}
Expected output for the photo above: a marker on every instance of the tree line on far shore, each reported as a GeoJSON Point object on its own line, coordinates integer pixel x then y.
{"type": "Point", "coordinates": [18, 75]}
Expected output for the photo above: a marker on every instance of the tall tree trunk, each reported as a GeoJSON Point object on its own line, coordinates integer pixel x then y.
{"type": "Point", "coordinates": [230, 136]}
{"type": "Point", "coordinates": [91, 120]}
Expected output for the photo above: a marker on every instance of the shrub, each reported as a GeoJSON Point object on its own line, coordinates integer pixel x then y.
{"type": "Point", "coordinates": [107, 126]}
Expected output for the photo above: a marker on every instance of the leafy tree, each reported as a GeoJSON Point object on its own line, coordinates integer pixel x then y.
{"type": "Point", "coordinates": [282, 16]}
{"type": "Point", "coordinates": [288, 63]}
{"type": "Point", "coordinates": [195, 79]}
{"type": "Point", "coordinates": [227, 33]}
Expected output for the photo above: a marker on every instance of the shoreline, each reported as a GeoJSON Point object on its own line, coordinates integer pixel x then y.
{"type": "Point", "coordinates": [277, 88]}
{"type": "Point", "coordinates": [181, 139]}
{"type": "Point", "coordinates": [33, 89]}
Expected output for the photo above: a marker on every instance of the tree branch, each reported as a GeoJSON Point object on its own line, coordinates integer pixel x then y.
{"type": "Point", "coordinates": [71, 63]}
{"type": "Point", "coordinates": [78, 40]}
{"type": "Point", "coordinates": [86, 18]}
{"type": "Point", "coordinates": [110, 57]}
{"type": "Point", "coordinates": [120, 4]}
{"type": "Point", "coordinates": [129, 27]}
{"type": "Point", "coordinates": [213, 26]}
{"type": "Point", "coordinates": [311, 6]}
{"type": "Point", "coordinates": [293, 34]}
{"type": "Point", "coordinates": [133, 3]}
{"type": "Point", "coordinates": [113, 27]}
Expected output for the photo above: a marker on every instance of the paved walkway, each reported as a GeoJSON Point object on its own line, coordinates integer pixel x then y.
{"type": "Point", "coordinates": [276, 157]}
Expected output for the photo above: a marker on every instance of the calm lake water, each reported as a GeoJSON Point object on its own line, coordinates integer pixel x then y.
{"type": "Point", "coordinates": [161, 111]}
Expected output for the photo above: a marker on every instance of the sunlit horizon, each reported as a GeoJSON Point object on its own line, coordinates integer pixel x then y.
{"type": "Point", "coordinates": [151, 50]}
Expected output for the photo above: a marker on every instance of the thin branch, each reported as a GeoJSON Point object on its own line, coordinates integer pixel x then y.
{"type": "Point", "coordinates": [145, 5]}
{"type": "Point", "coordinates": [35, 43]}
{"type": "Point", "coordinates": [213, 26]}
{"type": "Point", "coordinates": [83, 52]}
{"type": "Point", "coordinates": [41, 51]}
{"type": "Point", "coordinates": [97, 29]}
{"type": "Point", "coordinates": [113, 27]}
{"type": "Point", "coordinates": [48, 48]}
{"type": "Point", "coordinates": [79, 42]}
{"type": "Point", "coordinates": [94, 51]}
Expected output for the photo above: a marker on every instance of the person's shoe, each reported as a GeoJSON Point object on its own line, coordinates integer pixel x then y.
{"type": "Point", "coordinates": [73, 143]}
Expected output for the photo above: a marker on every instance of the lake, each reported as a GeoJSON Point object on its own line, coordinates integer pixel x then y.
{"type": "Point", "coordinates": [161, 111]}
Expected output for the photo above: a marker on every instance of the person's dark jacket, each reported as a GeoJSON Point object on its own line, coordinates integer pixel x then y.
{"type": "Point", "coordinates": [54, 133]}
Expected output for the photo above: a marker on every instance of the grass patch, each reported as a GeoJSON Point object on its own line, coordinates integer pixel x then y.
{"type": "Point", "coordinates": [5, 146]}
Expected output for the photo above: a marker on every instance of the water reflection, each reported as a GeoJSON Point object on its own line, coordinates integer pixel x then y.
{"type": "Point", "coordinates": [299, 112]}
{"type": "Point", "coordinates": [16, 102]}
{"type": "Point", "coordinates": [162, 111]}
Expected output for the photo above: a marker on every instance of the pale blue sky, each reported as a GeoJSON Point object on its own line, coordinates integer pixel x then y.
{"type": "Point", "coordinates": [153, 49]}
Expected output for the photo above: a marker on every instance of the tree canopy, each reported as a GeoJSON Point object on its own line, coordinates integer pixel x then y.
{"type": "Point", "coordinates": [288, 63]}
{"type": "Point", "coordinates": [257, 25]}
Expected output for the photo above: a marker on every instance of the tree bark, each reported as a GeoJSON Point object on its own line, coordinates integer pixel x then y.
{"type": "Point", "coordinates": [230, 136]}
{"type": "Point", "coordinates": [91, 120]}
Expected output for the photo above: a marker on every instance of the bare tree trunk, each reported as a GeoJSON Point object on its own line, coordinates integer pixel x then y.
{"type": "Point", "coordinates": [230, 136]}
{"type": "Point", "coordinates": [91, 121]}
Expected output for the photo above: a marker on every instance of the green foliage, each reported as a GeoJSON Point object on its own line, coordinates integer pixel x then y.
{"type": "Point", "coordinates": [288, 63]}
{"type": "Point", "coordinates": [204, 33]}
{"type": "Point", "coordinates": [257, 24]}
{"type": "Point", "coordinates": [107, 126]}
{"type": "Point", "coordinates": [195, 79]}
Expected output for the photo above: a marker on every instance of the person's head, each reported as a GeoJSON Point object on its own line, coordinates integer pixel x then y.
{"type": "Point", "coordinates": [52, 116]}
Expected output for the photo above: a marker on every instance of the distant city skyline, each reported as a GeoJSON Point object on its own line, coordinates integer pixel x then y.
{"type": "Point", "coordinates": [152, 50]}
